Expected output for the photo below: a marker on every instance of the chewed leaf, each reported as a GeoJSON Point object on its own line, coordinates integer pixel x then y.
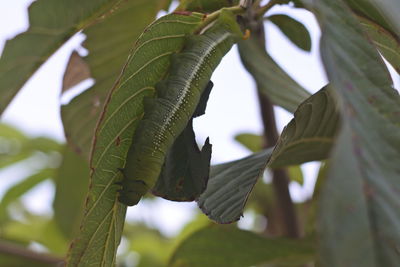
{"type": "Point", "coordinates": [186, 169]}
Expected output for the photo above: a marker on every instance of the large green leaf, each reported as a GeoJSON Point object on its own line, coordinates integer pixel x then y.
{"type": "Point", "coordinates": [359, 211]}
{"type": "Point", "coordinates": [108, 43]}
{"type": "Point", "coordinates": [104, 217]}
{"type": "Point", "coordinates": [293, 29]}
{"type": "Point", "coordinates": [384, 40]}
{"type": "Point", "coordinates": [51, 24]}
{"type": "Point", "coordinates": [226, 246]}
{"type": "Point", "coordinates": [310, 134]}
{"type": "Point", "coordinates": [72, 182]}
{"type": "Point", "coordinates": [17, 190]}
{"type": "Point", "coordinates": [230, 185]}
{"type": "Point", "coordinates": [271, 79]}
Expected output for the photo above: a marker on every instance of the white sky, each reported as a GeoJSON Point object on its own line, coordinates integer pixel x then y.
{"type": "Point", "coordinates": [232, 108]}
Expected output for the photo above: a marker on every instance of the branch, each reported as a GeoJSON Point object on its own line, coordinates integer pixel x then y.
{"type": "Point", "coordinates": [264, 9]}
{"type": "Point", "coordinates": [17, 251]}
{"type": "Point", "coordinates": [280, 179]}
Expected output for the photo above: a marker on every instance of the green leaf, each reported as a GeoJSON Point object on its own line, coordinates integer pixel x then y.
{"type": "Point", "coordinates": [16, 147]}
{"type": "Point", "coordinates": [359, 200]}
{"type": "Point", "coordinates": [51, 24]}
{"type": "Point", "coordinates": [293, 29]}
{"type": "Point", "coordinates": [19, 189]}
{"type": "Point", "coordinates": [186, 169]}
{"type": "Point", "coordinates": [313, 129]}
{"type": "Point", "coordinates": [230, 185]}
{"type": "Point", "coordinates": [255, 143]}
{"type": "Point", "coordinates": [153, 248]}
{"type": "Point", "coordinates": [295, 174]}
{"type": "Point", "coordinates": [310, 134]}
{"type": "Point", "coordinates": [225, 246]}
{"type": "Point", "coordinates": [252, 142]}
{"type": "Point", "coordinates": [104, 216]}
{"type": "Point", "coordinates": [271, 79]}
{"type": "Point", "coordinates": [10, 132]}
{"type": "Point", "coordinates": [108, 42]}
{"type": "Point", "coordinates": [37, 229]}
{"type": "Point", "coordinates": [14, 150]}
{"type": "Point", "coordinates": [42, 144]}
{"type": "Point", "coordinates": [384, 40]}
{"type": "Point", "coordinates": [72, 183]}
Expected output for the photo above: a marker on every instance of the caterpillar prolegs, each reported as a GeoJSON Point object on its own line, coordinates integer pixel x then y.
{"type": "Point", "coordinates": [167, 115]}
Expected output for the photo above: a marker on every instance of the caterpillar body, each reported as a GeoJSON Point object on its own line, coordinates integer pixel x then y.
{"type": "Point", "coordinates": [167, 115]}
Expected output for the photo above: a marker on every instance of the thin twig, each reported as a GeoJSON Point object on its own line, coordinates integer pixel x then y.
{"type": "Point", "coordinates": [280, 179]}
{"type": "Point", "coordinates": [213, 16]}
{"type": "Point", "coordinates": [17, 251]}
{"type": "Point", "coordinates": [264, 9]}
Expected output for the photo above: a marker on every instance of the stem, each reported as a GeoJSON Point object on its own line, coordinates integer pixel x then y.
{"type": "Point", "coordinates": [213, 16]}
{"type": "Point", "coordinates": [13, 250]}
{"type": "Point", "coordinates": [280, 179]}
{"type": "Point", "coordinates": [264, 9]}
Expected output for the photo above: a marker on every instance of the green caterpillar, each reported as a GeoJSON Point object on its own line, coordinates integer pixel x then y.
{"type": "Point", "coordinates": [167, 115]}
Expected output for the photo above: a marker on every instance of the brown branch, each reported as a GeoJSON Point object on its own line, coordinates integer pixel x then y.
{"type": "Point", "coordinates": [280, 180]}
{"type": "Point", "coordinates": [10, 249]}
